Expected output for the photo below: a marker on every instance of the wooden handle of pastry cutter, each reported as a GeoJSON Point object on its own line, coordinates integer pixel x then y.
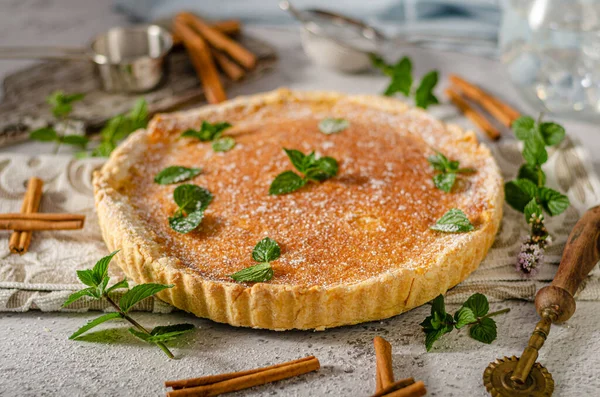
{"type": "Point", "coordinates": [581, 254]}
{"type": "Point", "coordinates": [555, 303]}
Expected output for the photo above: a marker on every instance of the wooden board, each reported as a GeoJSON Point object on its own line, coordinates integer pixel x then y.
{"type": "Point", "coordinates": [24, 106]}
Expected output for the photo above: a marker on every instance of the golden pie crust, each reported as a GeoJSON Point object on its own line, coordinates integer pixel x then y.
{"type": "Point", "coordinates": [355, 248]}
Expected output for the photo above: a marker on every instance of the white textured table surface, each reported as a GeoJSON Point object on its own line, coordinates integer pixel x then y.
{"type": "Point", "coordinates": [37, 359]}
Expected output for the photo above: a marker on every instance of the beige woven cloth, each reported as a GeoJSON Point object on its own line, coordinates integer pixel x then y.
{"type": "Point", "coordinates": [44, 277]}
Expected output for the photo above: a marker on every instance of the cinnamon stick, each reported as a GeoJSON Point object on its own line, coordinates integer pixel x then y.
{"type": "Point", "coordinates": [36, 216]}
{"type": "Point", "coordinates": [502, 112]}
{"type": "Point", "coordinates": [394, 386]}
{"type": "Point", "coordinates": [383, 356]}
{"type": "Point", "coordinates": [206, 380]}
{"type": "Point", "coordinates": [20, 240]}
{"type": "Point", "coordinates": [27, 226]}
{"type": "Point", "coordinates": [473, 115]}
{"type": "Point", "coordinates": [230, 27]}
{"type": "Point", "coordinates": [230, 68]}
{"type": "Point", "coordinates": [202, 61]}
{"type": "Point", "coordinates": [417, 389]}
{"type": "Point", "coordinates": [247, 381]}
{"type": "Point", "coordinates": [220, 41]}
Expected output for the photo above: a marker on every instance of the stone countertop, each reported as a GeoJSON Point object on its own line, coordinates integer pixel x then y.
{"type": "Point", "coordinates": [39, 360]}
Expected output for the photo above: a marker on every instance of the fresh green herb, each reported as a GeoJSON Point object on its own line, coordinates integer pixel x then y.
{"type": "Point", "coordinates": [97, 279]}
{"type": "Point", "coordinates": [402, 81]}
{"type": "Point", "coordinates": [224, 144]}
{"type": "Point", "coordinates": [453, 221]}
{"type": "Point", "coordinates": [473, 313]}
{"type": "Point", "coordinates": [448, 171]}
{"type": "Point", "coordinates": [212, 133]}
{"type": "Point", "coordinates": [528, 193]}
{"type": "Point", "coordinates": [119, 127]}
{"type": "Point", "coordinates": [192, 201]}
{"type": "Point", "coordinates": [62, 106]}
{"type": "Point", "coordinates": [330, 125]}
{"type": "Point", "coordinates": [176, 174]}
{"type": "Point", "coordinates": [314, 169]}
{"type": "Point", "coordinates": [266, 251]}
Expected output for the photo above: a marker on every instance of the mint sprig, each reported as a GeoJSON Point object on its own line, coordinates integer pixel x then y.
{"type": "Point", "coordinates": [473, 314]}
{"type": "Point", "coordinates": [266, 251]}
{"type": "Point", "coordinates": [192, 201]}
{"type": "Point", "coordinates": [176, 174]}
{"type": "Point", "coordinates": [97, 280]}
{"type": "Point", "coordinates": [210, 132]}
{"type": "Point", "coordinates": [402, 81]}
{"type": "Point", "coordinates": [453, 221]}
{"type": "Point", "coordinates": [331, 125]}
{"type": "Point", "coordinates": [62, 106]}
{"type": "Point", "coordinates": [449, 169]}
{"type": "Point", "coordinates": [313, 169]}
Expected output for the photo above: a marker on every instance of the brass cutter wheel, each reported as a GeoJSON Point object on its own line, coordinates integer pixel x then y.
{"type": "Point", "coordinates": [512, 376]}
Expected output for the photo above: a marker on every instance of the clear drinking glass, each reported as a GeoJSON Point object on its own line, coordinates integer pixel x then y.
{"type": "Point", "coordinates": [551, 50]}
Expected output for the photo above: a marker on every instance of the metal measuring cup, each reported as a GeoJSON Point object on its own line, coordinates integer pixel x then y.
{"type": "Point", "coordinates": [127, 60]}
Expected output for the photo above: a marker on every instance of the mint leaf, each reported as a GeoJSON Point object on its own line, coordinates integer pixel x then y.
{"type": "Point", "coordinates": [523, 127]}
{"type": "Point", "coordinates": [439, 162]}
{"type": "Point", "coordinates": [532, 208]}
{"type": "Point", "coordinates": [553, 202]}
{"type": "Point", "coordinates": [186, 223]}
{"type": "Point", "coordinates": [168, 332]}
{"type": "Point", "coordinates": [74, 140]}
{"type": "Point", "coordinates": [464, 316]}
{"type": "Point", "coordinates": [176, 174]}
{"type": "Point", "coordinates": [87, 277]}
{"type": "Point", "coordinates": [453, 221]}
{"type": "Point", "coordinates": [100, 270]}
{"type": "Point", "coordinates": [380, 63]}
{"type": "Point", "coordinates": [75, 296]}
{"type": "Point", "coordinates": [45, 134]}
{"type": "Point", "coordinates": [401, 78]}
{"type": "Point", "coordinates": [533, 173]}
{"type": "Point", "coordinates": [223, 144]}
{"type": "Point", "coordinates": [208, 132]}
{"type": "Point", "coordinates": [121, 284]}
{"type": "Point", "coordinates": [61, 102]}
{"type": "Point", "coordinates": [424, 95]}
{"type": "Point", "coordinates": [256, 274]}
{"type": "Point", "coordinates": [444, 181]}
{"type": "Point", "coordinates": [438, 323]}
{"type": "Point", "coordinates": [266, 250]}
{"type": "Point", "coordinates": [286, 182]}
{"type": "Point", "coordinates": [139, 334]}
{"type": "Point", "coordinates": [93, 323]}
{"type": "Point", "coordinates": [191, 198]}
{"type": "Point", "coordinates": [534, 151]}
{"type": "Point", "coordinates": [322, 169]}
{"type": "Point", "coordinates": [519, 193]}
{"type": "Point", "coordinates": [299, 160]}
{"type": "Point", "coordinates": [484, 330]}
{"type": "Point", "coordinates": [138, 115]}
{"type": "Point", "coordinates": [330, 125]}
{"type": "Point", "coordinates": [478, 303]}
{"type": "Point", "coordinates": [139, 293]}
{"type": "Point", "coordinates": [552, 133]}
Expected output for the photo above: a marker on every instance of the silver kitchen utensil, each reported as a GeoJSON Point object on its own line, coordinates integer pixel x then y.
{"type": "Point", "coordinates": [345, 44]}
{"type": "Point", "coordinates": [127, 60]}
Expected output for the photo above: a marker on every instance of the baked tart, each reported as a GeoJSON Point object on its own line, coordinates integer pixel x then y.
{"type": "Point", "coordinates": [354, 245]}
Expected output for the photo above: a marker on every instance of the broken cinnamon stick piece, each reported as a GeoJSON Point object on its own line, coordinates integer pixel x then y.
{"type": "Point", "coordinates": [247, 381]}
{"type": "Point", "coordinates": [230, 68]}
{"type": "Point", "coordinates": [230, 27]}
{"type": "Point", "coordinates": [383, 356]}
{"type": "Point", "coordinates": [206, 380]}
{"type": "Point", "coordinates": [27, 226]}
{"type": "Point", "coordinates": [394, 386]}
{"type": "Point", "coordinates": [202, 60]}
{"type": "Point", "coordinates": [219, 40]}
{"type": "Point", "coordinates": [20, 240]}
{"type": "Point", "coordinates": [502, 112]}
{"type": "Point", "coordinates": [473, 115]}
{"type": "Point", "coordinates": [417, 389]}
{"type": "Point", "coordinates": [36, 216]}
